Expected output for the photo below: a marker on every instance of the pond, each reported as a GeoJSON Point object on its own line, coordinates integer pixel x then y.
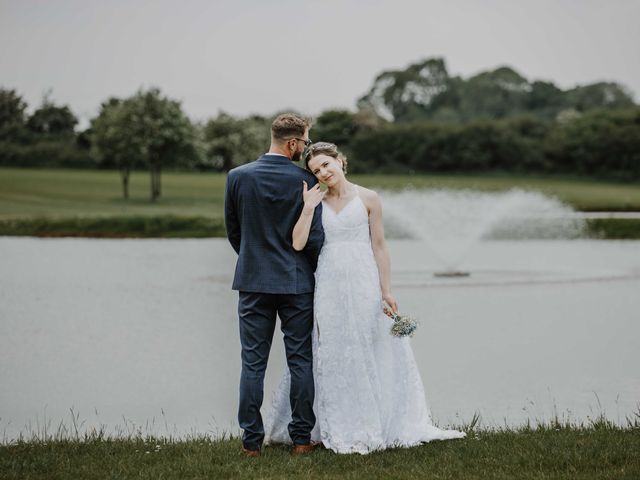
{"type": "Point", "coordinates": [142, 335]}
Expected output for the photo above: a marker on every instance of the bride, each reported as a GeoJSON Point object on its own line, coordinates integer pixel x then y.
{"type": "Point", "coordinates": [369, 395]}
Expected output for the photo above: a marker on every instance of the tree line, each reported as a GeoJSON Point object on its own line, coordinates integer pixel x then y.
{"type": "Point", "coordinates": [146, 131]}
{"type": "Point", "coordinates": [598, 144]}
{"type": "Point", "coordinates": [426, 91]}
{"type": "Point", "coordinates": [418, 120]}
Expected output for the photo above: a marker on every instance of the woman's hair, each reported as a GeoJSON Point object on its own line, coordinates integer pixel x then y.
{"type": "Point", "coordinates": [325, 148]}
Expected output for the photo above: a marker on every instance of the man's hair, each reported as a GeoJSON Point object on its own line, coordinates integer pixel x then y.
{"type": "Point", "coordinates": [289, 125]}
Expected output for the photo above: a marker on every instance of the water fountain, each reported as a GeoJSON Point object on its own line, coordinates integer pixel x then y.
{"type": "Point", "coordinates": [451, 222]}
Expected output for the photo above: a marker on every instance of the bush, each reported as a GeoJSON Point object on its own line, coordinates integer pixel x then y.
{"type": "Point", "coordinates": [479, 146]}
{"type": "Point", "coordinates": [169, 226]}
{"type": "Point", "coordinates": [599, 144]}
{"type": "Point", "coordinates": [53, 153]}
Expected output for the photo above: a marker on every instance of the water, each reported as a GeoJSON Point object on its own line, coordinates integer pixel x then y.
{"type": "Point", "coordinates": [141, 335]}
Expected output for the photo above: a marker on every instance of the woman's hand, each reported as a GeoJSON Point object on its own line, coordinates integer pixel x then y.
{"type": "Point", "coordinates": [311, 197]}
{"type": "Point", "coordinates": [391, 301]}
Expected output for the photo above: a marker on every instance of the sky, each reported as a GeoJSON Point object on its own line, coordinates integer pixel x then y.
{"type": "Point", "coordinates": [263, 56]}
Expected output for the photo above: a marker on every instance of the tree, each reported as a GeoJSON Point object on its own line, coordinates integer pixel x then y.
{"type": "Point", "coordinates": [52, 119]}
{"type": "Point", "coordinates": [342, 128]}
{"type": "Point", "coordinates": [406, 95]}
{"type": "Point", "coordinates": [111, 142]}
{"type": "Point", "coordinates": [425, 91]}
{"type": "Point", "coordinates": [146, 128]}
{"type": "Point", "coordinates": [12, 117]}
{"type": "Point", "coordinates": [600, 95]}
{"type": "Point", "coordinates": [231, 141]}
{"type": "Point", "coordinates": [494, 94]}
{"type": "Point", "coordinates": [546, 99]}
{"type": "Point", "coordinates": [335, 126]}
{"type": "Point", "coordinates": [163, 130]}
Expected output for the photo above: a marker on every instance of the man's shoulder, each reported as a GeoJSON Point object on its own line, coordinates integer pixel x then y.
{"type": "Point", "coordinates": [238, 172]}
{"type": "Point", "coordinates": [291, 169]}
{"type": "Point", "coordinates": [302, 173]}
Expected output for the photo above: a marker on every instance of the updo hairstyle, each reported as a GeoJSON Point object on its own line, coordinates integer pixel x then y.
{"type": "Point", "coordinates": [325, 148]}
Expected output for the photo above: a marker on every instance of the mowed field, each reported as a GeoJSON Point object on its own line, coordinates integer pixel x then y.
{"type": "Point", "coordinates": [28, 193]}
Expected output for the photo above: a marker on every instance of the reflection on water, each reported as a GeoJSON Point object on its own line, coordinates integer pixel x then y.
{"type": "Point", "coordinates": [142, 334]}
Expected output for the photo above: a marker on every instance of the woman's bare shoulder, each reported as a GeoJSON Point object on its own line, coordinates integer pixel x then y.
{"type": "Point", "coordinates": [369, 197]}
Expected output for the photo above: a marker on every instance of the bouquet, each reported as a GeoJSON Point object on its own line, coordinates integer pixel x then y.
{"type": "Point", "coordinates": [403, 325]}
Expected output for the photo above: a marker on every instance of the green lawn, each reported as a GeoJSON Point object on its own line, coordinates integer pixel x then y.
{"type": "Point", "coordinates": [28, 193]}
{"type": "Point", "coordinates": [89, 202]}
{"type": "Point", "coordinates": [600, 451]}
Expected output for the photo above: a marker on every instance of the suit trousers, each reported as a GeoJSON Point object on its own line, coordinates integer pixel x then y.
{"type": "Point", "coordinates": [257, 314]}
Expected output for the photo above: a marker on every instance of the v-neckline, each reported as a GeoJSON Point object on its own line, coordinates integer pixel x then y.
{"type": "Point", "coordinates": [337, 214]}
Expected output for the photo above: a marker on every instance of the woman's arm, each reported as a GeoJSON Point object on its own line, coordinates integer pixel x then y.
{"type": "Point", "coordinates": [380, 250]}
{"type": "Point", "coordinates": [316, 238]}
{"type": "Point", "coordinates": [301, 230]}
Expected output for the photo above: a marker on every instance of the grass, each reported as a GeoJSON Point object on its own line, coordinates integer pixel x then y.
{"type": "Point", "coordinates": [554, 450]}
{"type": "Point", "coordinates": [27, 193]}
{"type": "Point", "coordinates": [89, 202]}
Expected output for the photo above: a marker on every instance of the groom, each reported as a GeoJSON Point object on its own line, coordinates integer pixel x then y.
{"type": "Point", "coordinates": [263, 200]}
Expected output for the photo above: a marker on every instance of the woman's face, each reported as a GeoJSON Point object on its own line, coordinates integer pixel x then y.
{"type": "Point", "coordinates": [327, 169]}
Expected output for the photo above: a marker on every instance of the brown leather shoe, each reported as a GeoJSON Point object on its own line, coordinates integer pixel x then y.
{"type": "Point", "coordinates": [303, 449]}
{"type": "Point", "coordinates": [245, 452]}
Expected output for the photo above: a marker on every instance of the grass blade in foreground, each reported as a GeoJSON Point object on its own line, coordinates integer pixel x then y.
{"type": "Point", "coordinates": [554, 451]}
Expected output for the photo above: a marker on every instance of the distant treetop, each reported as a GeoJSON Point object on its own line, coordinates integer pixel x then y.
{"type": "Point", "coordinates": [426, 91]}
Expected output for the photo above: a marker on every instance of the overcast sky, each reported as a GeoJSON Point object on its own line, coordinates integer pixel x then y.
{"type": "Point", "coordinates": [260, 56]}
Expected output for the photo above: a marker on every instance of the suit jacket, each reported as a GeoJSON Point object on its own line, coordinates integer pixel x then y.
{"type": "Point", "coordinates": [263, 201]}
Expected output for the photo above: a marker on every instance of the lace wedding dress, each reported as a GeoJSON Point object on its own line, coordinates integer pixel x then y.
{"type": "Point", "coordinates": [369, 395]}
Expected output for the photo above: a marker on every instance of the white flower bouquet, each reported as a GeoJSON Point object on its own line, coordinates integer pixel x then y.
{"type": "Point", "coordinates": [403, 325]}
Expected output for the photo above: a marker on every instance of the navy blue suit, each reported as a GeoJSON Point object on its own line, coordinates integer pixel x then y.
{"type": "Point", "coordinates": [263, 201]}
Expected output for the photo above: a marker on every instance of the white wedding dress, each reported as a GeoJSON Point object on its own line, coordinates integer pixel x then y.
{"type": "Point", "coordinates": [368, 395]}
